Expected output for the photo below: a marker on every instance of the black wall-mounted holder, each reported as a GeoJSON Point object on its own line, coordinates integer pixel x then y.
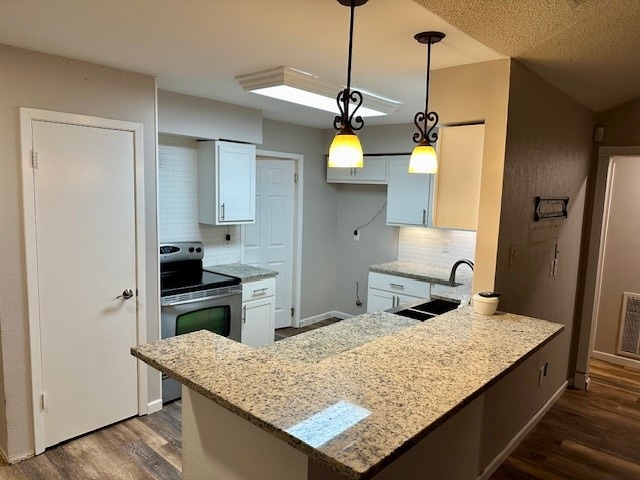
{"type": "Point", "coordinates": [551, 208]}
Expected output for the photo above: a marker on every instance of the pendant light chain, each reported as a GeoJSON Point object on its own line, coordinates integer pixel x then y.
{"type": "Point", "coordinates": [346, 96]}
{"type": "Point", "coordinates": [353, 11]}
{"type": "Point", "coordinates": [423, 158]}
{"type": "Point", "coordinates": [345, 150]}
{"type": "Point", "coordinates": [426, 134]}
{"type": "Point", "coordinates": [426, 102]}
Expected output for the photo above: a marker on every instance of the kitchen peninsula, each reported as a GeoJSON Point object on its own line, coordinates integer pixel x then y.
{"type": "Point", "coordinates": [375, 396]}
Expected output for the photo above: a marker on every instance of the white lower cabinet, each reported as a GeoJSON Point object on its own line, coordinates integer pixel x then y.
{"type": "Point", "coordinates": [258, 313]}
{"type": "Point", "coordinates": [388, 291]}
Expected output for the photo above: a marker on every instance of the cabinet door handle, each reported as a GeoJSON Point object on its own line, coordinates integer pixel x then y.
{"type": "Point", "coordinates": [222, 211]}
{"type": "Point", "coordinates": [260, 291]}
{"type": "Point", "coordinates": [424, 217]}
{"type": "Point", "coordinates": [396, 285]}
{"type": "Point", "coordinates": [244, 314]}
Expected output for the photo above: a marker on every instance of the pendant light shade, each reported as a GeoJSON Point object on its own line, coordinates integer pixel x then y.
{"type": "Point", "coordinates": [423, 158]}
{"type": "Point", "coordinates": [345, 150]}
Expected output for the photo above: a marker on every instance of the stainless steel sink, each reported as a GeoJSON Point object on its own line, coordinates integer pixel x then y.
{"type": "Point", "coordinates": [437, 306]}
{"type": "Point", "coordinates": [427, 310]}
{"type": "Point", "coordinates": [415, 314]}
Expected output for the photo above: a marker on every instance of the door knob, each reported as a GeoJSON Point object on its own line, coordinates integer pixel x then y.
{"type": "Point", "coordinates": [126, 294]}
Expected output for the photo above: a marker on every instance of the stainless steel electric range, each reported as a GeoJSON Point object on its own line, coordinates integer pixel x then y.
{"type": "Point", "coordinates": [193, 299]}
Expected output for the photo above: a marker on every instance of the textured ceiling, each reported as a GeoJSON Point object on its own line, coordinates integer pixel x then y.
{"type": "Point", "coordinates": [198, 47]}
{"type": "Point", "coordinates": [590, 49]}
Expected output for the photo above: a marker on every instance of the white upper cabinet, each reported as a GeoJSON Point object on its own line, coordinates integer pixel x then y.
{"type": "Point", "coordinates": [374, 172]}
{"type": "Point", "coordinates": [226, 183]}
{"type": "Point", "coordinates": [409, 196]}
{"type": "Point", "coordinates": [457, 183]}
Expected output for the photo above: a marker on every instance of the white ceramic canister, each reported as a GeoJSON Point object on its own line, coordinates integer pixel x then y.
{"type": "Point", "coordinates": [485, 303]}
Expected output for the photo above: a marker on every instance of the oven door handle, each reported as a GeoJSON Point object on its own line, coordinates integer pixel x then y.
{"type": "Point", "coordinates": [196, 300]}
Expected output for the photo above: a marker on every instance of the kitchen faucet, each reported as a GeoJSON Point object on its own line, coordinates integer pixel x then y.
{"type": "Point", "coordinates": [452, 277]}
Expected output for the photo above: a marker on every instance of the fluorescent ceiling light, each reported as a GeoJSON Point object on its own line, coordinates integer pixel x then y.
{"type": "Point", "coordinates": [294, 86]}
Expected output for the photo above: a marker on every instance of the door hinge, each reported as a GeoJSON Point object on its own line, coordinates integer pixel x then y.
{"type": "Point", "coordinates": [293, 312]}
{"type": "Point", "coordinates": [43, 402]}
{"type": "Point", "coordinates": [34, 159]}
{"type": "Point", "coordinates": [295, 178]}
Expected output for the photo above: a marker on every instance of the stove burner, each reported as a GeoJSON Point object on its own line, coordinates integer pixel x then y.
{"type": "Point", "coordinates": [181, 270]}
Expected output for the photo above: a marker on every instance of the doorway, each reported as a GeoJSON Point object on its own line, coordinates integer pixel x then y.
{"type": "Point", "coordinates": [273, 242]}
{"type": "Point", "coordinates": [610, 270]}
{"type": "Point", "coordinates": [84, 242]}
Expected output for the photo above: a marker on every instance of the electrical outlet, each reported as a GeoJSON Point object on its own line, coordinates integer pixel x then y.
{"type": "Point", "coordinates": [356, 235]}
{"type": "Point", "coordinates": [446, 245]}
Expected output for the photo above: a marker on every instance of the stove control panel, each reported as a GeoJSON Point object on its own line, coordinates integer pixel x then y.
{"type": "Point", "coordinates": [181, 251]}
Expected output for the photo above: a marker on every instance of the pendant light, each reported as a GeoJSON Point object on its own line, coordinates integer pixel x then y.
{"type": "Point", "coordinates": [345, 150]}
{"type": "Point", "coordinates": [423, 158]}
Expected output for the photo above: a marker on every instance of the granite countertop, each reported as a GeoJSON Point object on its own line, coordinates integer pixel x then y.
{"type": "Point", "coordinates": [407, 378]}
{"type": "Point", "coordinates": [246, 273]}
{"type": "Point", "coordinates": [438, 276]}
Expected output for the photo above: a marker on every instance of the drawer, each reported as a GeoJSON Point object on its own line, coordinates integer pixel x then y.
{"type": "Point", "coordinates": [400, 285]}
{"type": "Point", "coordinates": [258, 289]}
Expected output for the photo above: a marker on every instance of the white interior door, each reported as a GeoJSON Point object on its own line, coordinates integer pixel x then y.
{"type": "Point", "coordinates": [269, 242]}
{"type": "Point", "coordinates": [86, 256]}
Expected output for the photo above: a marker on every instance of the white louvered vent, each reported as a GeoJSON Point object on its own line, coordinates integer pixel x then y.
{"type": "Point", "coordinates": [629, 340]}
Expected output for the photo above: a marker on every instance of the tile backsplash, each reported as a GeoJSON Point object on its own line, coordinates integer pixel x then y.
{"type": "Point", "coordinates": [178, 203]}
{"type": "Point", "coordinates": [426, 245]}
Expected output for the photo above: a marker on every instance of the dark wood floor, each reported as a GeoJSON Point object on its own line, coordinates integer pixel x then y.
{"type": "Point", "coordinates": [290, 331]}
{"type": "Point", "coordinates": [585, 436]}
{"type": "Point", "coordinates": [141, 448]}
{"type": "Point", "coordinates": [590, 435]}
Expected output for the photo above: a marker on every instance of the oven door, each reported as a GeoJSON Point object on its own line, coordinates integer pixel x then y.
{"type": "Point", "coordinates": [220, 314]}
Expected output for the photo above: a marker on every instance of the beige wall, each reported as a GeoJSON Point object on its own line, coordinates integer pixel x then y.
{"type": "Point", "coordinates": [474, 93]}
{"type": "Point", "coordinates": [41, 81]}
{"type": "Point", "coordinates": [621, 124]}
{"type": "Point", "coordinates": [548, 153]}
{"type": "Point", "coordinates": [187, 116]}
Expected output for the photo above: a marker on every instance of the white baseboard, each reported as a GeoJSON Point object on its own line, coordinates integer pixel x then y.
{"type": "Point", "coordinates": [15, 458]}
{"type": "Point", "coordinates": [323, 316]}
{"type": "Point", "coordinates": [581, 381]}
{"type": "Point", "coordinates": [616, 359]}
{"type": "Point", "coordinates": [4, 455]}
{"type": "Point", "coordinates": [515, 441]}
{"type": "Point", "coordinates": [154, 406]}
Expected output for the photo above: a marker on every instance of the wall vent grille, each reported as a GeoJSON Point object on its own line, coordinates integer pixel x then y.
{"type": "Point", "coordinates": [629, 339]}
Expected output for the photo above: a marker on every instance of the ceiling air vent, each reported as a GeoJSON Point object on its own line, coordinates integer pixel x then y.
{"type": "Point", "coordinates": [629, 339]}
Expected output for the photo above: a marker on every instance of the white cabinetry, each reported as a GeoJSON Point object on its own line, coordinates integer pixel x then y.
{"type": "Point", "coordinates": [226, 183]}
{"type": "Point", "coordinates": [258, 312]}
{"type": "Point", "coordinates": [388, 291]}
{"type": "Point", "coordinates": [409, 195]}
{"type": "Point", "coordinates": [373, 172]}
{"type": "Point", "coordinates": [457, 183]}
